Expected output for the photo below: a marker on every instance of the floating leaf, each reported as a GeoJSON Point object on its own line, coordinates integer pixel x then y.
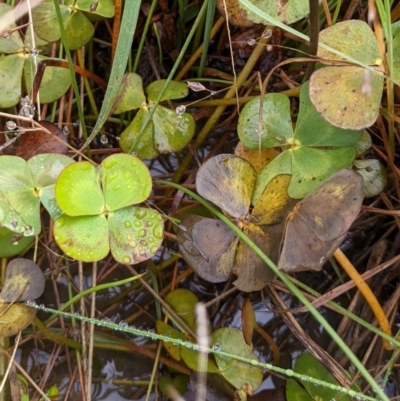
{"type": "Point", "coordinates": [259, 158]}
{"type": "Point", "coordinates": [314, 152]}
{"type": "Point", "coordinates": [231, 11]}
{"type": "Point", "coordinates": [168, 331]}
{"type": "Point", "coordinates": [275, 127]}
{"type": "Point", "coordinates": [12, 244]}
{"type": "Point", "coordinates": [227, 181]}
{"type": "Point", "coordinates": [135, 234]}
{"type": "Point", "coordinates": [374, 175]}
{"type": "Point", "coordinates": [13, 43]}
{"type": "Point", "coordinates": [236, 372]}
{"type": "Point", "coordinates": [252, 272]}
{"type": "Point", "coordinates": [183, 302]}
{"type": "Point", "coordinates": [360, 89]}
{"type": "Point", "coordinates": [175, 90]}
{"type": "Point", "coordinates": [72, 189]}
{"type": "Point", "coordinates": [23, 281]}
{"type": "Point", "coordinates": [210, 259]}
{"type": "Point", "coordinates": [89, 230]}
{"type": "Point", "coordinates": [83, 238]}
{"type": "Point", "coordinates": [364, 144]}
{"type": "Point", "coordinates": [288, 11]}
{"type": "Point", "coordinates": [131, 95]}
{"type": "Point", "coordinates": [167, 131]}
{"type": "Point", "coordinates": [15, 318]}
{"type": "Point", "coordinates": [318, 224]}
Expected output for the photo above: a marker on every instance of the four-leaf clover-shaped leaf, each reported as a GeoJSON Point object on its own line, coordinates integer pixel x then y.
{"type": "Point", "coordinates": [98, 212]}
{"type": "Point", "coordinates": [312, 152]}
{"type": "Point", "coordinates": [167, 131]}
{"type": "Point", "coordinates": [17, 68]}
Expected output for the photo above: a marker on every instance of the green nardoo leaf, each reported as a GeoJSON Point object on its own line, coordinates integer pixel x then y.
{"type": "Point", "coordinates": [280, 165]}
{"type": "Point", "coordinates": [12, 43]}
{"type": "Point", "coordinates": [131, 95]}
{"type": "Point", "coordinates": [183, 302]}
{"type": "Point", "coordinates": [235, 372]}
{"type": "Point", "coordinates": [360, 90]}
{"type": "Point", "coordinates": [83, 238]}
{"type": "Point", "coordinates": [208, 246]}
{"type": "Point", "coordinates": [46, 168]}
{"type": "Point", "coordinates": [135, 234]}
{"type": "Point", "coordinates": [374, 175]}
{"type": "Point", "coordinates": [168, 331]}
{"type": "Point", "coordinates": [172, 131]}
{"type": "Point", "coordinates": [11, 68]}
{"type": "Point", "coordinates": [313, 130]}
{"type": "Point", "coordinates": [228, 182]}
{"type": "Point", "coordinates": [45, 20]}
{"type": "Point", "coordinates": [103, 8]}
{"type": "Point", "coordinates": [295, 392]}
{"type": "Point", "coordinates": [12, 245]}
{"type": "Point", "coordinates": [24, 280]}
{"type": "Point", "coordinates": [288, 11]}
{"type": "Point", "coordinates": [145, 148]}
{"type": "Point", "coordinates": [19, 202]}
{"type": "Point", "coordinates": [79, 30]}
{"type": "Point", "coordinates": [48, 91]}
{"type": "Point", "coordinates": [353, 38]}
{"type": "Point", "coordinates": [175, 90]}
{"type": "Point", "coordinates": [312, 166]}
{"type": "Point", "coordinates": [363, 144]}
{"type": "Point", "coordinates": [15, 318]}
{"type": "Point", "coordinates": [276, 124]}
{"type": "Point", "coordinates": [125, 180]}
{"type": "Point", "coordinates": [78, 191]}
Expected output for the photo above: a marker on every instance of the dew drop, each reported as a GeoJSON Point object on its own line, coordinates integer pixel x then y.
{"type": "Point", "coordinates": [65, 130]}
{"type": "Point", "coordinates": [158, 231]}
{"type": "Point", "coordinates": [180, 109]}
{"type": "Point", "coordinates": [251, 42]}
{"type": "Point", "coordinates": [289, 372]}
{"type": "Point", "coordinates": [28, 230]}
{"type": "Point", "coordinates": [11, 125]}
{"type": "Point", "coordinates": [216, 347]}
{"type": "Point", "coordinates": [14, 223]}
{"type": "Point", "coordinates": [196, 86]}
{"type": "Point", "coordinates": [267, 33]}
{"type": "Point", "coordinates": [126, 260]}
{"type": "Point", "coordinates": [142, 233]}
{"type": "Point", "coordinates": [104, 139]}
{"type": "Point", "coordinates": [127, 224]}
{"type": "Point", "coordinates": [123, 324]}
{"type": "Point", "coordinates": [31, 302]}
{"type": "Point", "coordinates": [116, 187]}
{"type": "Point", "coordinates": [151, 331]}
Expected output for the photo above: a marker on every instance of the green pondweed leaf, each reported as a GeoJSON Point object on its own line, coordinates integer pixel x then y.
{"type": "Point", "coordinates": [311, 154]}
{"type": "Point", "coordinates": [168, 131]}
{"type": "Point", "coordinates": [306, 364]}
{"type": "Point", "coordinates": [360, 89]}
{"type": "Point", "coordinates": [78, 28]}
{"type": "Point", "coordinates": [209, 247]}
{"type": "Point", "coordinates": [237, 373]}
{"type": "Point", "coordinates": [18, 69]}
{"type": "Point", "coordinates": [288, 11]}
{"type": "Point", "coordinates": [99, 215]}
{"type": "Point", "coordinates": [23, 281]}
{"type": "Point", "coordinates": [23, 185]}
{"type": "Point", "coordinates": [318, 224]}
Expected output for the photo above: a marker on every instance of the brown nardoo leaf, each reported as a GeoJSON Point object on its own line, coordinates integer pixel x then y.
{"type": "Point", "coordinates": [318, 224]}
{"type": "Point", "coordinates": [235, 15]}
{"type": "Point", "coordinates": [248, 321]}
{"type": "Point", "coordinates": [32, 143]}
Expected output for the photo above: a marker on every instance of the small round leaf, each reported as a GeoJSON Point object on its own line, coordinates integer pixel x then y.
{"type": "Point", "coordinates": [374, 175]}
{"type": "Point", "coordinates": [24, 280]}
{"type": "Point", "coordinates": [11, 245]}
{"type": "Point", "coordinates": [131, 95]}
{"type": "Point", "coordinates": [11, 68]}
{"type": "Point", "coordinates": [15, 318]}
